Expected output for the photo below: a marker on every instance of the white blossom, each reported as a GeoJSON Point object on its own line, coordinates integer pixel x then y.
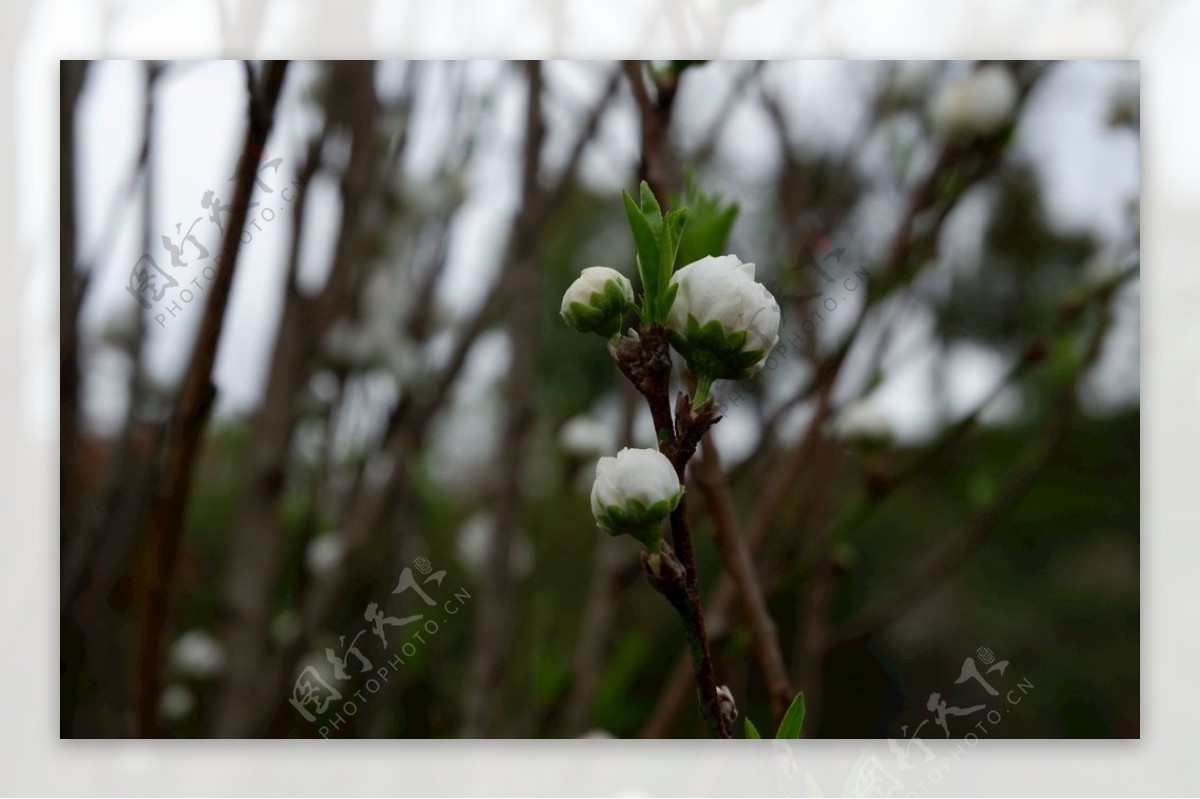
{"type": "Point", "coordinates": [473, 546]}
{"type": "Point", "coordinates": [597, 301]}
{"type": "Point", "coordinates": [176, 702]}
{"type": "Point", "coordinates": [633, 492]}
{"type": "Point", "coordinates": [197, 654]}
{"type": "Point", "coordinates": [722, 290]}
{"type": "Point", "coordinates": [862, 422]}
{"type": "Point", "coordinates": [324, 552]}
{"type": "Point", "coordinates": [976, 104]}
{"type": "Point", "coordinates": [1103, 266]}
{"type": "Point", "coordinates": [584, 436]}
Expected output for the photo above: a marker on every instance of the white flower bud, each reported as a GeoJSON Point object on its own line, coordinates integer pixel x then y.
{"type": "Point", "coordinates": [597, 301]}
{"type": "Point", "coordinates": [634, 492]}
{"type": "Point", "coordinates": [726, 704]}
{"type": "Point", "coordinates": [723, 322]}
{"type": "Point", "coordinates": [863, 424]}
{"type": "Point", "coordinates": [197, 654]}
{"type": "Point", "coordinates": [976, 104]}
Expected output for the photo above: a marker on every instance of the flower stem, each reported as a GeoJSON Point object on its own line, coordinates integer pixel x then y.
{"type": "Point", "coordinates": [703, 384]}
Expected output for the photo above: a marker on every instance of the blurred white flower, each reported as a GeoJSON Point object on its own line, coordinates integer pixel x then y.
{"type": "Point", "coordinates": [863, 423]}
{"type": "Point", "coordinates": [723, 322]}
{"type": "Point", "coordinates": [586, 437]}
{"type": "Point", "coordinates": [324, 552]}
{"type": "Point", "coordinates": [473, 547]}
{"type": "Point", "coordinates": [349, 345]}
{"type": "Point", "coordinates": [634, 492]}
{"type": "Point", "coordinates": [197, 654]}
{"type": "Point", "coordinates": [319, 663]}
{"type": "Point", "coordinates": [176, 702]}
{"type": "Point", "coordinates": [597, 733]}
{"type": "Point", "coordinates": [910, 80]}
{"type": "Point", "coordinates": [121, 329]}
{"type": "Point", "coordinates": [433, 197]}
{"type": "Point", "coordinates": [377, 340]}
{"type": "Point", "coordinates": [1101, 267]}
{"type": "Point", "coordinates": [975, 104]}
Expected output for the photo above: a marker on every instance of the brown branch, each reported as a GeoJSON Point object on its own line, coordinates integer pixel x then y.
{"type": "Point", "coordinates": [71, 663]}
{"type": "Point", "coordinates": [404, 434]}
{"type": "Point", "coordinates": [739, 565]}
{"type": "Point", "coordinates": [595, 628]}
{"type": "Point", "coordinates": [192, 407]}
{"type": "Point", "coordinates": [646, 361]}
{"type": "Point", "coordinates": [780, 485]}
{"type": "Point", "coordinates": [257, 536]}
{"type": "Point", "coordinates": [494, 618]}
{"type": "Point", "coordinates": [657, 167]}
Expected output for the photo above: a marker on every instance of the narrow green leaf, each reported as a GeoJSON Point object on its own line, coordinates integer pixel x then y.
{"type": "Point", "coordinates": [650, 207]}
{"type": "Point", "coordinates": [647, 250]}
{"type": "Point", "coordinates": [751, 731]}
{"type": "Point", "coordinates": [672, 234]}
{"type": "Point", "coordinates": [666, 301]}
{"type": "Point", "coordinates": [793, 720]}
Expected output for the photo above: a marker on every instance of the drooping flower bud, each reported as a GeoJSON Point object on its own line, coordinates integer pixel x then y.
{"type": "Point", "coordinates": [723, 323]}
{"type": "Point", "coordinates": [634, 492]}
{"type": "Point", "coordinates": [597, 301]}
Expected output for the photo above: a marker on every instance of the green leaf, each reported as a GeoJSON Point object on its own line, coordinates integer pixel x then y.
{"type": "Point", "coordinates": [672, 234]}
{"type": "Point", "coordinates": [667, 300]}
{"type": "Point", "coordinates": [793, 720]}
{"type": "Point", "coordinates": [751, 730]}
{"type": "Point", "coordinates": [646, 241]}
{"type": "Point", "coordinates": [709, 223]}
{"type": "Point", "coordinates": [650, 207]}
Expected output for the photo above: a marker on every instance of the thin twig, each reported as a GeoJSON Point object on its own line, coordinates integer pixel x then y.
{"type": "Point", "coordinates": [192, 407]}
{"type": "Point", "coordinates": [739, 564]}
{"type": "Point", "coordinates": [494, 619]}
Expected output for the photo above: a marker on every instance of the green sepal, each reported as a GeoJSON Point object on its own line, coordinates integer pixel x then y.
{"type": "Point", "coordinates": [637, 520]}
{"type": "Point", "coordinates": [709, 351]}
{"type": "Point", "coordinates": [603, 313]}
{"type": "Point", "coordinates": [751, 730]}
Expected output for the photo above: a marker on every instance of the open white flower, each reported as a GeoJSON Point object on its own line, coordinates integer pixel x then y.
{"type": "Point", "coordinates": [597, 301]}
{"type": "Point", "coordinates": [976, 104]}
{"type": "Point", "coordinates": [723, 322]}
{"type": "Point", "coordinates": [634, 492]}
